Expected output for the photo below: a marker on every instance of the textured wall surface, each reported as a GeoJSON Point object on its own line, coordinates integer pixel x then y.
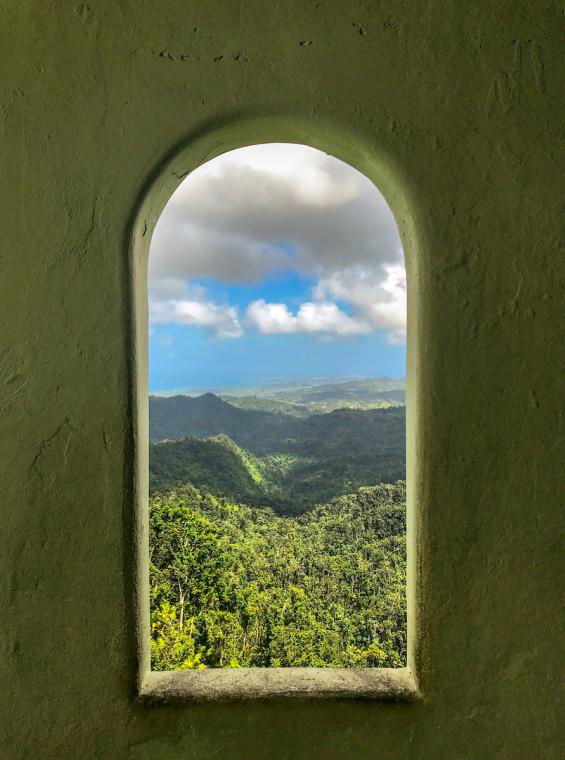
{"type": "Point", "coordinates": [464, 105]}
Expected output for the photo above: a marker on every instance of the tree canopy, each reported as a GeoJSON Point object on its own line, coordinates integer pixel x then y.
{"type": "Point", "coordinates": [240, 586]}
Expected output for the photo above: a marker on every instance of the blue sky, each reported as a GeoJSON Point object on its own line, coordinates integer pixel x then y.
{"type": "Point", "coordinates": [274, 263]}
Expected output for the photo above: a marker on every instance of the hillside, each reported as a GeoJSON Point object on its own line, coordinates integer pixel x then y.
{"type": "Point", "coordinates": [328, 455]}
{"type": "Point", "coordinates": [176, 417]}
{"type": "Point", "coordinates": [262, 431]}
{"type": "Point", "coordinates": [216, 463]}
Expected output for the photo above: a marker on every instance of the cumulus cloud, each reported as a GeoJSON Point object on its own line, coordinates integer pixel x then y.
{"type": "Point", "coordinates": [321, 317]}
{"type": "Point", "coordinates": [382, 302]}
{"type": "Point", "coordinates": [192, 308]}
{"type": "Point", "coordinates": [253, 212]}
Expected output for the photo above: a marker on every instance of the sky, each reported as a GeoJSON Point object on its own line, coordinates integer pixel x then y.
{"type": "Point", "coordinates": [275, 263]}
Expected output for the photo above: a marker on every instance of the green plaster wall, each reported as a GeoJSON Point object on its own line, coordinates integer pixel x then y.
{"type": "Point", "coordinates": [458, 108]}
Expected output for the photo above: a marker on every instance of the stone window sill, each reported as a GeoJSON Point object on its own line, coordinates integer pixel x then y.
{"type": "Point", "coordinates": [238, 684]}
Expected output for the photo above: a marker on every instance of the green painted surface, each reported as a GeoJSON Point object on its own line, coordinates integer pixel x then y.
{"type": "Point", "coordinates": [457, 112]}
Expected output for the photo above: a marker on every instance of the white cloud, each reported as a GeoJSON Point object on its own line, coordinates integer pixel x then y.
{"type": "Point", "coordinates": [252, 212]}
{"type": "Point", "coordinates": [381, 302]}
{"type": "Point", "coordinates": [221, 321]}
{"type": "Point", "coordinates": [321, 317]}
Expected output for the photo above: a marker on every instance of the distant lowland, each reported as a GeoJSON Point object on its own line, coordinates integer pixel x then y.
{"type": "Point", "coordinates": [308, 396]}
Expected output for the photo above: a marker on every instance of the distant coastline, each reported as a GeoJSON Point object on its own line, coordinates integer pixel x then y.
{"type": "Point", "coordinates": [283, 388]}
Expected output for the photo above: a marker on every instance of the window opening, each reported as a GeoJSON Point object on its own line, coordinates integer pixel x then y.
{"type": "Point", "coordinates": [277, 311]}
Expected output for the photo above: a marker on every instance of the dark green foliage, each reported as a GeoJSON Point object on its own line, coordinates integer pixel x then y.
{"type": "Point", "coordinates": [296, 464]}
{"type": "Point", "coordinates": [257, 430]}
{"type": "Point", "coordinates": [216, 463]}
{"type": "Point", "coordinates": [343, 450]}
{"type": "Point", "coordinates": [237, 586]}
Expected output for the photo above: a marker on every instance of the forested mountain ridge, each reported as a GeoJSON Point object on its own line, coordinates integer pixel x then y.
{"type": "Point", "coordinates": [265, 432]}
{"type": "Point", "coordinates": [309, 462]}
{"type": "Point", "coordinates": [181, 416]}
{"type": "Point", "coordinates": [237, 586]}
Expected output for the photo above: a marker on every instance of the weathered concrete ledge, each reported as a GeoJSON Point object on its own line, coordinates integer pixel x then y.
{"type": "Point", "coordinates": [238, 684]}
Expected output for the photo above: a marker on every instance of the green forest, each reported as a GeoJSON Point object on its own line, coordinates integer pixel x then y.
{"type": "Point", "coordinates": [271, 458]}
{"type": "Point", "coordinates": [277, 539]}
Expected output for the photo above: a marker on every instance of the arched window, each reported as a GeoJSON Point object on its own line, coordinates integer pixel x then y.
{"type": "Point", "coordinates": [277, 450]}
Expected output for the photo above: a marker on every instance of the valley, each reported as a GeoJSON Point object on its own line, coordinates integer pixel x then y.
{"type": "Point", "coordinates": [269, 458]}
